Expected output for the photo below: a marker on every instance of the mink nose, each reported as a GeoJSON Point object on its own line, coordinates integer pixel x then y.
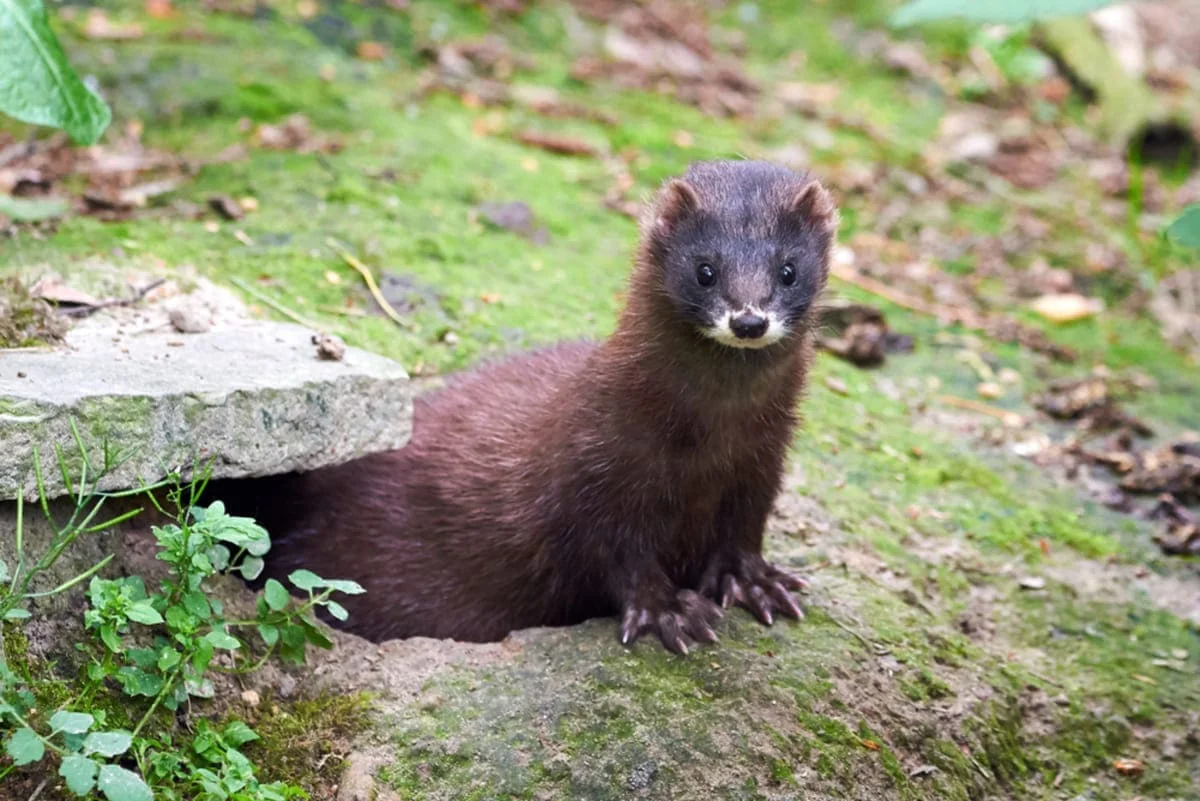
{"type": "Point", "coordinates": [748, 325]}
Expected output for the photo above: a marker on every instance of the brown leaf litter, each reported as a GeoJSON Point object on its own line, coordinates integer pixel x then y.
{"type": "Point", "coordinates": [1091, 401]}
{"type": "Point", "coordinates": [295, 133]}
{"type": "Point", "coordinates": [111, 181]}
{"type": "Point", "coordinates": [515, 216]}
{"type": "Point", "coordinates": [665, 46]}
{"type": "Point", "coordinates": [859, 334]}
{"type": "Point", "coordinates": [479, 71]}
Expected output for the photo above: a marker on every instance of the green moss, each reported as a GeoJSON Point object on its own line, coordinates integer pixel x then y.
{"type": "Point", "coordinates": [26, 321]}
{"type": "Point", "coordinates": [924, 686]}
{"type": "Point", "coordinates": [297, 739]}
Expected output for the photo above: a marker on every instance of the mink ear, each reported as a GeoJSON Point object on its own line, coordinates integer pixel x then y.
{"type": "Point", "coordinates": [676, 202]}
{"type": "Point", "coordinates": [813, 204]}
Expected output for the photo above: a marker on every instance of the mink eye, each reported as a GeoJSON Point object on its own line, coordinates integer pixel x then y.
{"type": "Point", "coordinates": [706, 275]}
{"type": "Point", "coordinates": [787, 274]}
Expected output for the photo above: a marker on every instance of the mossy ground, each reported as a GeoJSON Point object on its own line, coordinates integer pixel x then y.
{"type": "Point", "coordinates": [925, 525]}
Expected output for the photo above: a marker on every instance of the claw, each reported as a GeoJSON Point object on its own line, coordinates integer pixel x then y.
{"type": "Point", "coordinates": [731, 592]}
{"type": "Point", "coordinates": [784, 600]}
{"type": "Point", "coordinates": [760, 604]}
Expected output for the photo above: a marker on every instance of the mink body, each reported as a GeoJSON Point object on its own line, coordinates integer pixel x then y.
{"type": "Point", "coordinates": [631, 477]}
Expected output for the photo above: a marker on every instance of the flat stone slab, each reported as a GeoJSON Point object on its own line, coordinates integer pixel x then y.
{"type": "Point", "coordinates": [254, 397]}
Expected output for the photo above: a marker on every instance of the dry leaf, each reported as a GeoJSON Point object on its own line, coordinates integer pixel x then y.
{"type": "Point", "coordinates": [555, 143]}
{"type": "Point", "coordinates": [1065, 308]}
{"type": "Point", "coordinates": [837, 385]}
{"type": "Point", "coordinates": [56, 291]}
{"type": "Point", "coordinates": [372, 51]}
{"type": "Point", "coordinates": [1129, 767]}
{"type": "Point", "coordinates": [159, 9]}
{"type": "Point", "coordinates": [490, 297]}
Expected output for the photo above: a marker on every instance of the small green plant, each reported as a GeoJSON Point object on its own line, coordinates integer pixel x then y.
{"type": "Point", "coordinates": [154, 649]}
{"type": "Point", "coordinates": [999, 11]}
{"type": "Point", "coordinates": [1186, 230]}
{"type": "Point", "coordinates": [37, 84]}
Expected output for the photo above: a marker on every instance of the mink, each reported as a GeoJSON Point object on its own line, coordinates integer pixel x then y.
{"type": "Point", "coordinates": [630, 478]}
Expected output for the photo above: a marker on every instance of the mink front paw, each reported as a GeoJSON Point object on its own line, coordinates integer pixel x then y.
{"type": "Point", "coordinates": [758, 586]}
{"type": "Point", "coordinates": [688, 617]}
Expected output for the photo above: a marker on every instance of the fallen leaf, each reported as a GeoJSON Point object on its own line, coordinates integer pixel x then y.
{"type": "Point", "coordinates": [159, 9]}
{"type": "Point", "coordinates": [490, 297]}
{"type": "Point", "coordinates": [1067, 307]}
{"type": "Point", "coordinates": [248, 203]}
{"type": "Point", "coordinates": [990, 390]}
{"type": "Point", "coordinates": [515, 216]}
{"type": "Point", "coordinates": [1129, 767]}
{"type": "Point", "coordinates": [226, 206]}
{"type": "Point", "coordinates": [871, 744]}
{"type": "Point", "coordinates": [556, 143]}
{"type": "Point", "coordinates": [56, 291]}
{"type": "Point", "coordinates": [837, 385]}
{"type": "Point", "coordinates": [372, 51]}
{"type": "Point", "coordinates": [1032, 583]}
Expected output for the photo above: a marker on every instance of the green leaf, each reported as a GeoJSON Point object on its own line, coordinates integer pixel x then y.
{"type": "Point", "coordinates": [168, 659]}
{"type": "Point", "coordinates": [196, 604]}
{"type": "Point", "coordinates": [23, 209]}
{"type": "Point", "coordinates": [16, 613]}
{"type": "Point", "coordinates": [314, 634]}
{"type": "Point", "coordinates": [270, 634]}
{"type": "Point", "coordinates": [108, 743]}
{"type": "Point", "coordinates": [1186, 230]}
{"type": "Point", "coordinates": [251, 567]}
{"type": "Point", "coordinates": [337, 610]}
{"type": "Point", "coordinates": [222, 639]}
{"type": "Point", "coordinates": [108, 633]}
{"type": "Point", "coordinates": [307, 580]}
{"type": "Point", "coordinates": [342, 585]}
{"type": "Point", "coordinates": [71, 722]}
{"type": "Point", "coordinates": [303, 579]}
{"type": "Point", "coordinates": [142, 612]}
{"type": "Point", "coordinates": [276, 594]}
{"type": "Point", "coordinates": [139, 682]}
{"type": "Point", "coordinates": [218, 557]}
{"type": "Point", "coordinates": [119, 784]}
{"type": "Point", "coordinates": [80, 773]}
{"type": "Point", "coordinates": [202, 655]}
{"type": "Point", "coordinates": [999, 11]}
{"type": "Point", "coordinates": [237, 733]}
{"type": "Point", "coordinates": [25, 746]}
{"type": "Point", "coordinates": [37, 85]}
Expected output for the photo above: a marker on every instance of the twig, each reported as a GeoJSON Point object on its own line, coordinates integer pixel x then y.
{"type": "Point", "coordinates": [1008, 417]}
{"type": "Point", "coordinates": [365, 272]}
{"type": "Point", "coordinates": [138, 296]}
{"type": "Point", "coordinates": [903, 299]}
{"type": "Point", "coordinates": [276, 305]}
{"type": "Point", "coordinates": [38, 791]}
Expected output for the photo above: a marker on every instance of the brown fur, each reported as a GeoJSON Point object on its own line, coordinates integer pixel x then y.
{"type": "Point", "coordinates": [629, 477]}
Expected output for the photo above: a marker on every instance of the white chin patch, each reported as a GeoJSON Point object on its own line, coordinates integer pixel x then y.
{"type": "Point", "coordinates": [721, 332]}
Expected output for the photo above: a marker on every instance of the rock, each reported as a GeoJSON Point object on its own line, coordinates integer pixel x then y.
{"type": "Point", "coordinates": [254, 398]}
{"type": "Point", "coordinates": [187, 320]}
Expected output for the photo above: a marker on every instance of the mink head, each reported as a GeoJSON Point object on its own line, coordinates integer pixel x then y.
{"type": "Point", "coordinates": [741, 249]}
